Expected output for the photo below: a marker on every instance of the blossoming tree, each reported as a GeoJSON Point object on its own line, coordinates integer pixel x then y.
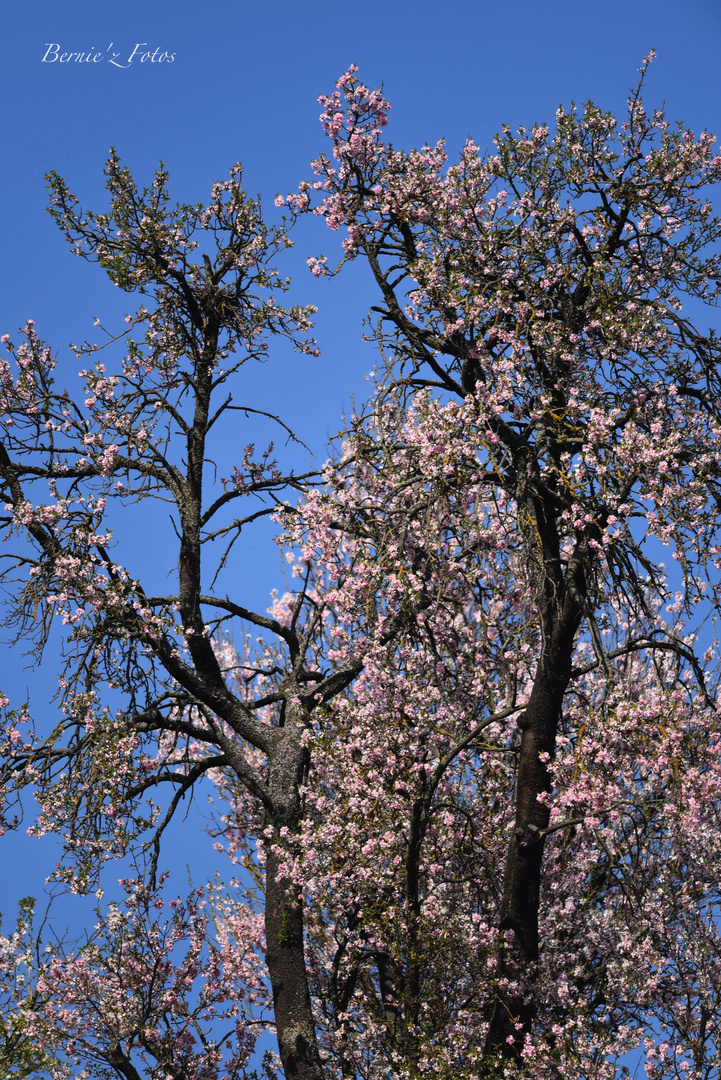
{"type": "Point", "coordinates": [410, 807]}
{"type": "Point", "coordinates": [542, 287]}
{"type": "Point", "coordinates": [473, 762]}
{"type": "Point", "coordinates": [159, 987]}
{"type": "Point", "coordinates": [147, 432]}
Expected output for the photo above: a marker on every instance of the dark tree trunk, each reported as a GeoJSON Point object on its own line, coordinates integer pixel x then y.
{"type": "Point", "coordinates": [285, 953]}
{"type": "Point", "coordinates": [560, 609]}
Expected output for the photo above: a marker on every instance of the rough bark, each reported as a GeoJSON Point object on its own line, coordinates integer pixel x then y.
{"type": "Point", "coordinates": [285, 954]}
{"type": "Point", "coordinates": [560, 608]}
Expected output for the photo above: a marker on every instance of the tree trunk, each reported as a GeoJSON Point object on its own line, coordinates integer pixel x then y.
{"type": "Point", "coordinates": [522, 877]}
{"type": "Point", "coordinates": [285, 954]}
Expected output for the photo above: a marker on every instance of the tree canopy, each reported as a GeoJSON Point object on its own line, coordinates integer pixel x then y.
{"type": "Point", "coordinates": [468, 763]}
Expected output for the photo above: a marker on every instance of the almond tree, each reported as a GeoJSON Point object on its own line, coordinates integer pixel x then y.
{"type": "Point", "coordinates": [146, 705]}
{"type": "Point", "coordinates": [408, 810]}
{"type": "Point", "coordinates": [410, 804]}
{"type": "Point", "coordinates": [159, 987]}
{"type": "Point", "coordinates": [473, 762]}
{"type": "Point", "coordinates": [542, 286]}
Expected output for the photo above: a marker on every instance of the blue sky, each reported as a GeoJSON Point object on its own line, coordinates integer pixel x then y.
{"type": "Point", "coordinates": [243, 85]}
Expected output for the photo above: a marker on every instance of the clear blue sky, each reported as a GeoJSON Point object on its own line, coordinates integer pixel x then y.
{"type": "Point", "coordinates": [243, 86]}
